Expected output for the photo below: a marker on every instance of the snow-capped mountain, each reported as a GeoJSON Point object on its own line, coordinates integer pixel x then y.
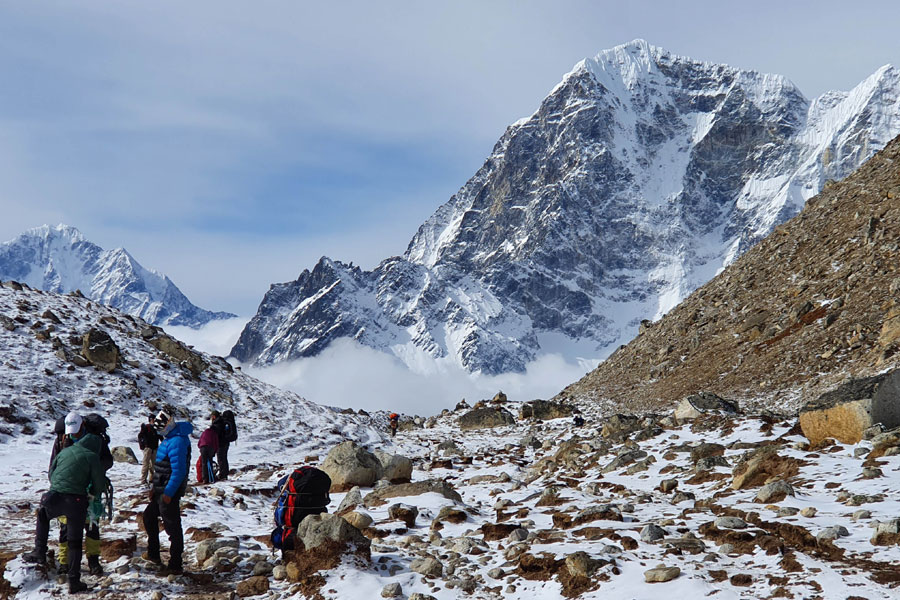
{"type": "Point", "coordinates": [59, 259]}
{"type": "Point", "coordinates": [640, 176]}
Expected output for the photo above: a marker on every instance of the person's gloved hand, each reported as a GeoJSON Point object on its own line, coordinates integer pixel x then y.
{"type": "Point", "coordinates": [95, 511]}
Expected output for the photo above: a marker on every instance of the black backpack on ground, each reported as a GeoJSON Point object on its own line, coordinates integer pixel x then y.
{"type": "Point", "coordinates": [229, 429]}
{"type": "Point", "coordinates": [302, 493]}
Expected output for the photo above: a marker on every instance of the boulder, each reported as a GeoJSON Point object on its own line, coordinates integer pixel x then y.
{"type": "Point", "coordinates": [438, 486]}
{"type": "Point", "coordinates": [349, 464]}
{"type": "Point", "coordinates": [124, 454]}
{"type": "Point", "coordinates": [762, 465]}
{"type": "Point", "coordinates": [392, 590]}
{"type": "Point", "coordinates": [544, 410]}
{"type": "Point", "coordinates": [774, 492]}
{"type": "Point", "coordinates": [318, 530]}
{"type": "Point", "coordinates": [427, 566]}
{"type": "Point", "coordinates": [99, 349]}
{"type": "Point", "coordinates": [253, 586]}
{"type": "Point", "coordinates": [484, 418]}
{"type": "Point", "coordinates": [405, 513]}
{"type": "Point", "coordinates": [394, 467]}
{"type": "Point", "coordinates": [360, 520]}
{"type": "Point", "coordinates": [177, 351]}
{"type": "Point", "coordinates": [207, 548]}
{"type": "Point", "coordinates": [846, 412]}
{"type": "Point", "coordinates": [619, 426]}
{"type": "Point", "coordinates": [697, 405]}
{"type": "Point", "coordinates": [351, 500]}
{"type": "Point", "coordinates": [661, 574]}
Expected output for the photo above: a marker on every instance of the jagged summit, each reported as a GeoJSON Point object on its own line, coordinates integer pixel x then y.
{"type": "Point", "coordinates": [638, 178]}
{"type": "Point", "coordinates": [60, 259]}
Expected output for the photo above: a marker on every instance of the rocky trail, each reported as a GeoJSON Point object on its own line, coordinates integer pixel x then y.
{"type": "Point", "coordinates": [729, 506]}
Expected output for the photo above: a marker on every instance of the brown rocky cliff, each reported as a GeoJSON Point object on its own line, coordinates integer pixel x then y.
{"type": "Point", "coordinates": [814, 303]}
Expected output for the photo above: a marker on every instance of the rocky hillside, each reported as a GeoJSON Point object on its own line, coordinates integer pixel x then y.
{"type": "Point", "coordinates": [639, 176]}
{"type": "Point", "coordinates": [814, 303]}
{"type": "Point", "coordinates": [60, 259]}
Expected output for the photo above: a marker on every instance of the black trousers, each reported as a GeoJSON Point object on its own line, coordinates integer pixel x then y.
{"type": "Point", "coordinates": [222, 459]}
{"type": "Point", "coordinates": [171, 518]}
{"type": "Point", "coordinates": [74, 508]}
{"type": "Point", "coordinates": [206, 459]}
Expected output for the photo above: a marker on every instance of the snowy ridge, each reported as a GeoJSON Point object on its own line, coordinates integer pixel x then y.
{"type": "Point", "coordinates": [640, 176]}
{"type": "Point", "coordinates": [60, 259]}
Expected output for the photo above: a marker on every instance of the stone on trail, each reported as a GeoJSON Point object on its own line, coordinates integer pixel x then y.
{"type": "Point", "coordinates": [124, 454]}
{"type": "Point", "coordinates": [774, 492]}
{"type": "Point", "coordinates": [349, 464]}
{"type": "Point", "coordinates": [661, 574]}
{"type": "Point", "coordinates": [253, 586]}
{"type": "Point", "coordinates": [360, 520]}
{"type": "Point", "coordinates": [427, 566]}
{"type": "Point", "coordinates": [392, 590]}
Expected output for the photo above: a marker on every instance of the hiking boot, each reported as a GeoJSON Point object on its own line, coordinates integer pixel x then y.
{"type": "Point", "coordinates": [171, 569]}
{"type": "Point", "coordinates": [35, 558]}
{"type": "Point", "coordinates": [94, 567]}
{"type": "Point", "coordinates": [76, 586]}
{"type": "Point", "coordinates": [154, 558]}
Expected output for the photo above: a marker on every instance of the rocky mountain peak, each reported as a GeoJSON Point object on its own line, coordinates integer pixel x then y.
{"type": "Point", "coordinates": [640, 176]}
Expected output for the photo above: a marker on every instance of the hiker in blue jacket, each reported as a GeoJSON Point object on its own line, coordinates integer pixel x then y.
{"type": "Point", "coordinates": [170, 477]}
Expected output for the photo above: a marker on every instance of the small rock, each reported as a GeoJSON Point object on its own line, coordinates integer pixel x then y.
{"type": "Point", "coordinates": [661, 574]}
{"type": "Point", "coordinates": [809, 512]}
{"type": "Point", "coordinates": [124, 454]}
{"type": "Point", "coordinates": [405, 513]}
{"type": "Point", "coordinates": [496, 573]}
{"type": "Point", "coordinates": [726, 549]}
{"type": "Point", "coordinates": [787, 511]}
{"type": "Point", "coordinates": [279, 573]}
{"type": "Point", "coordinates": [774, 492]}
{"type": "Point", "coordinates": [391, 590]}
{"type": "Point", "coordinates": [352, 499]}
{"type": "Point", "coordinates": [157, 595]}
{"type": "Point", "coordinates": [831, 533]}
{"type": "Point", "coordinates": [427, 566]}
{"type": "Point", "coordinates": [263, 568]}
{"type": "Point", "coordinates": [667, 485]}
{"type": "Point", "coordinates": [652, 533]}
{"type": "Point", "coordinates": [253, 586]}
{"type": "Point", "coordinates": [358, 519]}
{"type": "Point", "coordinates": [861, 514]}
{"type": "Point", "coordinates": [730, 523]}
{"type": "Point", "coordinates": [872, 473]}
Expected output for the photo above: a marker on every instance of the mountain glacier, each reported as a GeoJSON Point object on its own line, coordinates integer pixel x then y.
{"type": "Point", "coordinates": [639, 177]}
{"type": "Point", "coordinates": [59, 259]}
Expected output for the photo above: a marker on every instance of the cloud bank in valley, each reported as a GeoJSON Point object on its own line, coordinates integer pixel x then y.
{"type": "Point", "coordinates": [349, 375]}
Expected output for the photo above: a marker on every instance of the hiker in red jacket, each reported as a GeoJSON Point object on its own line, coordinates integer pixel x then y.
{"type": "Point", "coordinates": [393, 423]}
{"type": "Point", "coordinates": [209, 445]}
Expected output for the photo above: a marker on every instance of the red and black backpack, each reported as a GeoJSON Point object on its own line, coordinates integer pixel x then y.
{"type": "Point", "coordinates": [304, 492]}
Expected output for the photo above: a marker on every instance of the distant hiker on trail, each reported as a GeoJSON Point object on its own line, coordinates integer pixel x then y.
{"type": "Point", "coordinates": [209, 445]}
{"type": "Point", "coordinates": [74, 472]}
{"type": "Point", "coordinates": [169, 483]}
{"type": "Point", "coordinates": [393, 423]}
{"type": "Point", "coordinates": [227, 429]}
{"type": "Point", "coordinates": [578, 421]}
{"type": "Point", "coordinates": [148, 440]}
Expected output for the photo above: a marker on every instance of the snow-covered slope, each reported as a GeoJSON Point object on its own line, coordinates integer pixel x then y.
{"type": "Point", "coordinates": [60, 259]}
{"type": "Point", "coordinates": [640, 176]}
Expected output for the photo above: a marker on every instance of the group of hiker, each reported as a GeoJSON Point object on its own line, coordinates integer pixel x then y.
{"type": "Point", "coordinates": [80, 492]}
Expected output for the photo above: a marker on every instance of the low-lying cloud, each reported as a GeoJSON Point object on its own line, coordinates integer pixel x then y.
{"type": "Point", "coordinates": [349, 375]}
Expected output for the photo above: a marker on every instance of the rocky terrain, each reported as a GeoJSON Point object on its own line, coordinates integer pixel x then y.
{"type": "Point", "coordinates": [730, 505]}
{"type": "Point", "coordinates": [60, 259]}
{"type": "Point", "coordinates": [639, 176]}
{"type": "Point", "coordinates": [812, 304]}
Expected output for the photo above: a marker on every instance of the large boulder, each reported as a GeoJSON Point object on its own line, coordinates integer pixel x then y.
{"type": "Point", "coordinates": [484, 418]}
{"type": "Point", "coordinates": [846, 412]}
{"type": "Point", "coordinates": [619, 426]}
{"type": "Point", "coordinates": [184, 356]}
{"type": "Point", "coordinates": [349, 464]}
{"type": "Point", "coordinates": [544, 410]}
{"type": "Point", "coordinates": [124, 454]}
{"type": "Point", "coordinates": [438, 486]}
{"type": "Point", "coordinates": [315, 531]}
{"type": "Point", "coordinates": [99, 349]}
{"type": "Point", "coordinates": [697, 405]}
{"type": "Point", "coordinates": [394, 467]}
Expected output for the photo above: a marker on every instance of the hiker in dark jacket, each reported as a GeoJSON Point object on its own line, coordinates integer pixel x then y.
{"type": "Point", "coordinates": [226, 429]}
{"type": "Point", "coordinates": [209, 445]}
{"type": "Point", "coordinates": [74, 473]}
{"type": "Point", "coordinates": [169, 483]}
{"type": "Point", "coordinates": [148, 440]}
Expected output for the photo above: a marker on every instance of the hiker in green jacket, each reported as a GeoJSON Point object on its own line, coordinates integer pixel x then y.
{"type": "Point", "coordinates": [74, 473]}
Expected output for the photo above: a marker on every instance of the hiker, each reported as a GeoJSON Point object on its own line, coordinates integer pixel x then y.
{"type": "Point", "coordinates": [393, 423]}
{"type": "Point", "coordinates": [578, 421]}
{"type": "Point", "coordinates": [74, 472]}
{"type": "Point", "coordinates": [169, 483]}
{"type": "Point", "coordinates": [227, 429]}
{"type": "Point", "coordinates": [148, 440]}
{"type": "Point", "coordinates": [209, 445]}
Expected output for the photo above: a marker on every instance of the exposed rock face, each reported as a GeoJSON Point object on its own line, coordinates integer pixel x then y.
{"type": "Point", "coordinates": [640, 173]}
{"type": "Point", "coordinates": [99, 349]}
{"type": "Point", "coordinates": [183, 355]}
{"type": "Point", "coordinates": [544, 410]}
{"type": "Point", "coordinates": [59, 259]}
{"type": "Point", "coordinates": [696, 405]}
{"type": "Point", "coordinates": [483, 418]}
{"type": "Point", "coordinates": [845, 413]}
{"type": "Point", "coordinates": [792, 318]}
{"type": "Point", "coordinates": [349, 464]}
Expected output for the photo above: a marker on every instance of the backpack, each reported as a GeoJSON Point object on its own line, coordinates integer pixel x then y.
{"type": "Point", "coordinates": [210, 466]}
{"type": "Point", "coordinates": [95, 423]}
{"type": "Point", "coordinates": [304, 492]}
{"type": "Point", "coordinates": [229, 429]}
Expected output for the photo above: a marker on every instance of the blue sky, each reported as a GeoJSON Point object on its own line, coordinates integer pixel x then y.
{"type": "Point", "coordinates": [230, 144]}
